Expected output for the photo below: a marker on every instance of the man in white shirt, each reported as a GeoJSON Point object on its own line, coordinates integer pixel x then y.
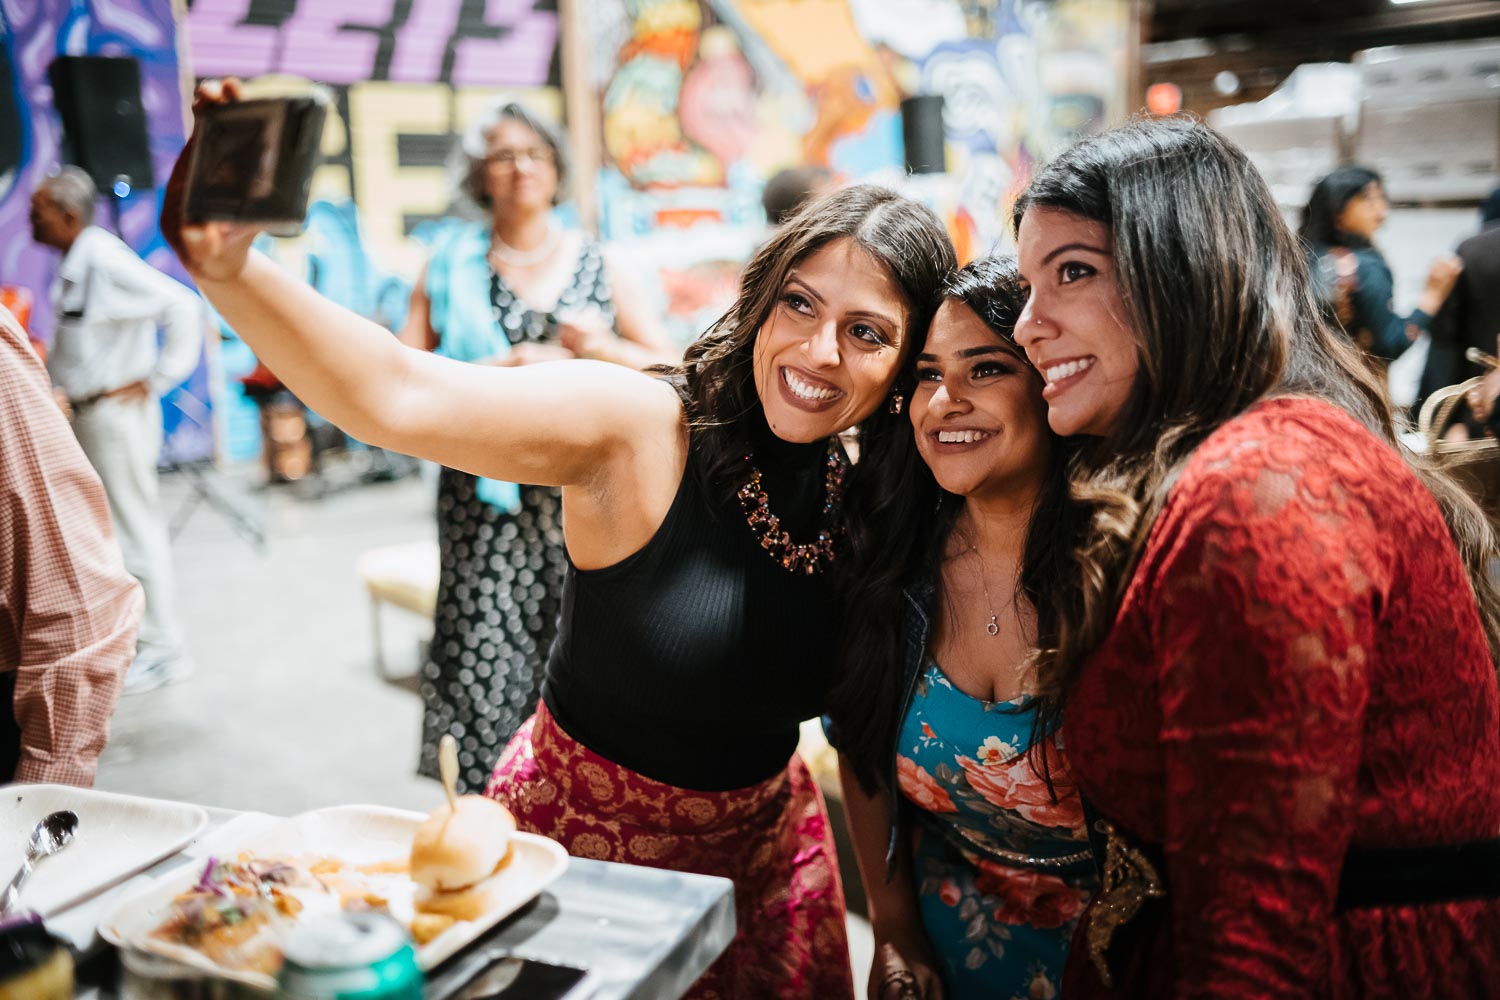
{"type": "Point", "coordinates": [105, 361]}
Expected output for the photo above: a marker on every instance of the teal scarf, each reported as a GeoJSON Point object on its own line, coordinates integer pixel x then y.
{"type": "Point", "coordinates": [459, 307]}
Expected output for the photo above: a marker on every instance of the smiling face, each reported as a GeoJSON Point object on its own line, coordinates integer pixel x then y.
{"type": "Point", "coordinates": [826, 356]}
{"type": "Point", "coordinates": [977, 411]}
{"type": "Point", "coordinates": [520, 168]}
{"type": "Point", "coordinates": [1075, 328]}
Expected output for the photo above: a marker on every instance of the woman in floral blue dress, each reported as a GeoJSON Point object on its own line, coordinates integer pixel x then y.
{"type": "Point", "coordinates": [970, 838]}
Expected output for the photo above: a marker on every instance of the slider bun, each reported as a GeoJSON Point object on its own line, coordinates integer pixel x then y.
{"type": "Point", "coordinates": [456, 849]}
{"type": "Point", "coordinates": [469, 903]}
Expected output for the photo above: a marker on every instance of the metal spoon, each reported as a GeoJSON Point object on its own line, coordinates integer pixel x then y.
{"type": "Point", "coordinates": [49, 836]}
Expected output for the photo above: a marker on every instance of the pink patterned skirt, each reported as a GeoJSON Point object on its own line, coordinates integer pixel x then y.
{"type": "Point", "coordinates": [773, 839]}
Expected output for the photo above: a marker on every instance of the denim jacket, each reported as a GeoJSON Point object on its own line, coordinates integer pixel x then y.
{"type": "Point", "coordinates": [921, 598]}
{"type": "Point", "coordinates": [916, 627]}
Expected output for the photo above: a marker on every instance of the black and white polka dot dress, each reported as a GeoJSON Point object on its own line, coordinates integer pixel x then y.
{"type": "Point", "coordinates": [502, 578]}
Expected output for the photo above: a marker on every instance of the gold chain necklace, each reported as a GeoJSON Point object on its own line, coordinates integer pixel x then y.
{"type": "Point", "coordinates": [993, 627]}
{"type": "Point", "coordinates": [810, 557]}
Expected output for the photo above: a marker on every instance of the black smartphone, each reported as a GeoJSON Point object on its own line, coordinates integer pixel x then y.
{"type": "Point", "coordinates": [524, 979]}
{"type": "Point", "coordinates": [253, 161]}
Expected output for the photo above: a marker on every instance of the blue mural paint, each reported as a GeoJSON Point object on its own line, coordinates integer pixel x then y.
{"type": "Point", "coordinates": [339, 266]}
{"type": "Point", "coordinates": [878, 147]}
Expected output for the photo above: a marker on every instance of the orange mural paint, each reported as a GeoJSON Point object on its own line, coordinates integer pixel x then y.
{"type": "Point", "coordinates": [686, 218]}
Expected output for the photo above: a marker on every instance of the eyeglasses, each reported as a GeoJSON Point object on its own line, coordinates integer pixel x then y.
{"type": "Point", "coordinates": [508, 159]}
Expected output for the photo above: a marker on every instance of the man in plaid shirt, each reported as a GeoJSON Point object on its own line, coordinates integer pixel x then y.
{"type": "Point", "coordinates": [68, 610]}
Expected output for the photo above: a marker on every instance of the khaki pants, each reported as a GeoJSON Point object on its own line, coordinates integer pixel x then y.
{"type": "Point", "coordinates": [122, 439]}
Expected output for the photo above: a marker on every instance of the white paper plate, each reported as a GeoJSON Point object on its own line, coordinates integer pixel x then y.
{"type": "Point", "coordinates": [356, 834]}
{"type": "Point", "coordinates": [118, 835]}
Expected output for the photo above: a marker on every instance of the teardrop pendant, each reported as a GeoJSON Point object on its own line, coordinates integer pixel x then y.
{"type": "Point", "coordinates": [993, 628]}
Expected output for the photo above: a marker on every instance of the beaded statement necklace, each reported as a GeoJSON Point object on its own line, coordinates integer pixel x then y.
{"type": "Point", "coordinates": [810, 557]}
{"type": "Point", "coordinates": [502, 252]}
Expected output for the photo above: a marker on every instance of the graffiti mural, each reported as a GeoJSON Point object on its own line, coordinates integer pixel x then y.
{"type": "Point", "coordinates": [466, 43]}
{"type": "Point", "coordinates": [33, 33]}
{"type": "Point", "coordinates": [406, 78]}
{"type": "Point", "coordinates": [702, 100]}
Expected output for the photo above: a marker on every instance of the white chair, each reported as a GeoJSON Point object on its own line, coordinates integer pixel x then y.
{"type": "Point", "coordinates": [403, 575]}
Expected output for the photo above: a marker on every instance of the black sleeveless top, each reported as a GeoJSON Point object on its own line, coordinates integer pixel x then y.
{"type": "Point", "coordinates": [693, 660]}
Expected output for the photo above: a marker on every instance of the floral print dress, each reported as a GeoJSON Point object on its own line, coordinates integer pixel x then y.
{"type": "Point", "coordinates": [1002, 871]}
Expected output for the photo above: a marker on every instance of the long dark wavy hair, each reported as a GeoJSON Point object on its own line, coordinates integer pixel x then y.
{"type": "Point", "coordinates": [897, 541]}
{"type": "Point", "coordinates": [717, 375]}
{"type": "Point", "coordinates": [1217, 291]}
{"type": "Point", "coordinates": [1320, 219]}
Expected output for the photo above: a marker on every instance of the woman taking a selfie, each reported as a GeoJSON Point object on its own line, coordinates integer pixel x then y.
{"type": "Point", "coordinates": [702, 516]}
{"type": "Point", "coordinates": [1279, 683]}
{"type": "Point", "coordinates": [968, 833]}
{"type": "Point", "coordinates": [516, 291]}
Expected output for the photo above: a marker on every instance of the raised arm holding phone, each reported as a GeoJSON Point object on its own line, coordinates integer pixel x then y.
{"type": "Point", "coordinates": [703, 515]}
{"type": "Point", "coordinates": [514, 290]}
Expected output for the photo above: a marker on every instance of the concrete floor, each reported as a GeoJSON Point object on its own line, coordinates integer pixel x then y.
{"type": "Point", "coordinates": [285, 711]}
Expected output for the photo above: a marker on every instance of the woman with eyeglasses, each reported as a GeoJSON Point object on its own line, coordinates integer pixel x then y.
{"type": "Point", "coordinates": [516, 290]}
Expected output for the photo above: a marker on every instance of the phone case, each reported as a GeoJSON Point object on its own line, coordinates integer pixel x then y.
{"type": "Point", "coordinates": [253, 161]}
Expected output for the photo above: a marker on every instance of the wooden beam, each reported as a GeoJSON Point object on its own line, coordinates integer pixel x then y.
{"type": "Point", "coordinates": [1280, 22]}
{"type": "Point", "coordinates": [581, 105]}
{"type": "Point", "coordinates": [185, 80]}
{"type": "Point", "coordinates": [1138, 34]}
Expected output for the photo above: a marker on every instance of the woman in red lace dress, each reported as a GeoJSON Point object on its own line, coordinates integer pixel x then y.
{"type": "Point", "coordinates": [1278, 681]}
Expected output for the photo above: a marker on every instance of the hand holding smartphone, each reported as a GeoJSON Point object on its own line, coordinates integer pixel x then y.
{"type": "Point", "coordinates": [214, 249]}
{"type": "Point", "coordinates": [252, 161]}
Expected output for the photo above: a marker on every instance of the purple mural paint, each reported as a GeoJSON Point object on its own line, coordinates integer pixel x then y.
{"type": "Point", "coordinates": [517, 58]}
{"type": "Point", "coordinates": [323, 41]}
{"type": "Point", "coordinates": [222, 46]}
{"type": "Point", "coordinates": [507, 43]}
{"type": "Point", "coordinates": [34, 33]}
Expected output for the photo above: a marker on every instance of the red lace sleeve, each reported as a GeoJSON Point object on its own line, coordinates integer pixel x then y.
{"type": "Point", "coordinates": [1263, 603]}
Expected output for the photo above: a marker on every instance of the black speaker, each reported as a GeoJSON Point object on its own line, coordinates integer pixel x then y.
{"type": "Point", "coordinates": [922, 133]}
{"type": "Point", "coordinates": [11, 124]}
{"type": "Point", "coordinates": [104, 122]}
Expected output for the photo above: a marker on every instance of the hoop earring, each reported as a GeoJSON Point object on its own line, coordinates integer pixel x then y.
{"type": "Point", "coordinates": [897, 403]}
